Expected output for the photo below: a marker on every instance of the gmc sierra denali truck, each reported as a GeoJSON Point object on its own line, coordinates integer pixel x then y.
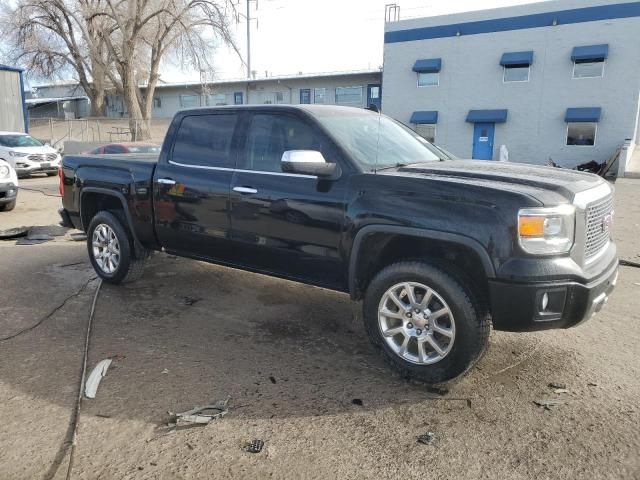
{"type": "Point", "coordinates": [437, 249]}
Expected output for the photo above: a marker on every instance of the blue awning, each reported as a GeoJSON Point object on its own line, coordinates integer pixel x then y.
{"type": "Point", "coordinates": [590, 53]}
{"type": "Point", "coordinates": [424, 116]}
{"type": "Point", "coordinates": [591, 114]}
{"type": "Point", "coordinates": [517, 58]}
{"type": "Point", "coordinates": [487, 116]}
{"type": "Point", "coordinates": [428, 65]}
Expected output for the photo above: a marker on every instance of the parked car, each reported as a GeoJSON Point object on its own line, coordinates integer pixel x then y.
{"type": "Point", "coordinates": [28, 155]}
{"type": "Point", "coordinates": [437, 249]}
{"type": "Point", "coordinates": [125, 147]}
{"type": "Point", "coordinates": [8, 187]}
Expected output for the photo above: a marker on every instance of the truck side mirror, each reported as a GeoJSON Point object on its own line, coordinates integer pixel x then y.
{"type": "Point", "coordinates": [309, 162]}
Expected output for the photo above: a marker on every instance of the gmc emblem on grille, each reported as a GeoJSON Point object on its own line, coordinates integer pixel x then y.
{"type": "Point", "coordinates": [607, 222]}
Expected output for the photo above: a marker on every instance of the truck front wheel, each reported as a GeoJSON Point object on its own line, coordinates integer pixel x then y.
{"type": "Point", "coordinates": [426, 321]}
{"type": "Point", "coordinates": [111, 251]}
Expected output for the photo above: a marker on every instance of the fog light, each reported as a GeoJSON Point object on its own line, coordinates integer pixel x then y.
{"type": "Point", "coordinates": [550, 304]}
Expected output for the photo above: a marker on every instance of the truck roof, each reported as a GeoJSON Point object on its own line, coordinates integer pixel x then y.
{"type": "Point", "coordinates": [310, 108]}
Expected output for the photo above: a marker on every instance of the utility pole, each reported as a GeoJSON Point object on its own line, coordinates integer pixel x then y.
{"type": "Point", "coordinates": [249, 39]}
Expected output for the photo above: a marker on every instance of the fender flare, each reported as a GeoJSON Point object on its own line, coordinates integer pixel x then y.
{"type": "Point", "coordinates": [125, 207]}
{"type": "Point", "coordinates": [426, 234]}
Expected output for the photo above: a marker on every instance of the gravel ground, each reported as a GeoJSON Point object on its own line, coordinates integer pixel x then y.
{"type": "Point", "coordinates": [301, 375]}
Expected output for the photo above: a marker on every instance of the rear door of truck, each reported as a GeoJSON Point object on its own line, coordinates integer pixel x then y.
{"type": "Point", "coordinates": [192, 182]}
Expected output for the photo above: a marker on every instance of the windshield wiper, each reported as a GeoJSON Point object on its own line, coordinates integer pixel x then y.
{"type": "Point", "coordinates": [397, 165]}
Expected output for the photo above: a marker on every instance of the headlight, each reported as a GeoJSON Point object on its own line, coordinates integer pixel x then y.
{"type": "Point", "coordinates": [4, 171]}
{"type": "Point", "coordinates": [17, 154]}
{"type": "Point", "coordinates": [546, 231]}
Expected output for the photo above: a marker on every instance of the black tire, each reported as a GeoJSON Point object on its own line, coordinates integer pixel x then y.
{"type": "Point", "coordinates": [7, 207]}
{"type": "Point", "coordinates": [472, 320]}
{"type": "Point", "coordinates": [129, 267]}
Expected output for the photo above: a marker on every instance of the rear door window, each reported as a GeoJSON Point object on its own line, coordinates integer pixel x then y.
{"type": "Point", "coordinates": [270, 135]}
{"type": "Point", "coordinates": [205, 141]}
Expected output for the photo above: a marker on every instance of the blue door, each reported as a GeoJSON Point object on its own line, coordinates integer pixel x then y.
{"type": "Point", "coordinates": [483, 141]}
{"type": "Point", "coordinates": [305, 95]}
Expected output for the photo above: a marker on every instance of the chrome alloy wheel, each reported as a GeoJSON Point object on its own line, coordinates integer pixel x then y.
{"type": "Point", "coordinates": [416, 323]}
{"type": "Point", "coordinates": [106, 248]}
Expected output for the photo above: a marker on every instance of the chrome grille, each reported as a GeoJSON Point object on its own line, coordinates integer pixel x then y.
{"type": "Point", "coordinates": [598, 226]}
{"type": "Point", "coordinates": [42, 157]}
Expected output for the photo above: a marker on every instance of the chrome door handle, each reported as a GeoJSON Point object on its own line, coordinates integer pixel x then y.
{"type": "Point", "coordinates": [166, 181]}
{"type": "Point", "coordinates": [245, 190]}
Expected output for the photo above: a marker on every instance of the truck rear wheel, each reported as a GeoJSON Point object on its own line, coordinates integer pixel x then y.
{"type": "Point", "coordinates": [111, 250]}
{"type": "Point", "coordinates": [426, 321]}
{"type": "Point", "coordinates": [7, 207]}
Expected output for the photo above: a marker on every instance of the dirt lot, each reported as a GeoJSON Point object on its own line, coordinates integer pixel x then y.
{"type": "Point", "coordinates": [293, 359]}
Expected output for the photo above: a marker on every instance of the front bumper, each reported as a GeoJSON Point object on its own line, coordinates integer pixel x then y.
{"type": "Point", "coordinates": [517, 307]}
{"type": "Point", "coordinates": [27, 167]}
{"type": "Point", "coordinates": [8, 193]}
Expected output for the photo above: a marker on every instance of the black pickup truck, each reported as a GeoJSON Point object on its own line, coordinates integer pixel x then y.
{"type": "Point", "coordinates": [438, 249]}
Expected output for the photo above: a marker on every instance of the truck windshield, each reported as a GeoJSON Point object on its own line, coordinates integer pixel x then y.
{"type": "Point", "coordinates": [376, 141]}
{"type": "Point", "coordinates": [16, 141]}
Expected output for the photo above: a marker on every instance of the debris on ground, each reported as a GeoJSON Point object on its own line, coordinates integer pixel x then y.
{"type": "Point", "coordinates": [560, 390]}
{"type": "Point", "coordinates": [13, 233]}
{"type": "Point", "coordinates": [99, 371]}
{"type": "Point", "coordinates": [357, 401]}
{"type": "Point", "coordinates": [273, 379]}
{"type": "Point", "coordinates": [256, 446]}
{"type": "Point", "coordinates": [78, 237]}
{"type": "Point", "coordinates": [557, 385]}
{"type": "Point", "coordinates": [427, 438]}
{"type": "Point", "coordinates": [202, 415]}
{"type": "Point", "coordinates": [165, 371]}
{"type": "Point", "coordinates": [592, 384]}
{"type": "Point", "coordinates": [549, 403]}
{"type": "Point", "coordinates": [190, 300]}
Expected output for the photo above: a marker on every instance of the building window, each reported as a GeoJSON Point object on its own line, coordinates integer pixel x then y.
{"type": "Point", "coordinates": [238, 98]}
{"type": "Point", "coordinates": [305, 95]}
{"type": "Point", "coordinates": [279, 97]}
{"type": "Point", "coordinates": [426, 131]}
{"type": "Point", "coordinates": [319, 95]}
{"type": "Point", "coordinates": [588, 69]}
{"type": "Point", "coordinates": [157, 102]}
{"type": "Point", "coordinates": [582, 133]}
{"type": "Point", "coordinates": [189, 101]}
{"type": "Point", "coordinates": [516, 73]}
{"type": "Point", "coordinates": [349, 96]}
{"type": "Point", "coordinates": [217, 99]}
{"type": "Point", "coordinates": [428, 79]}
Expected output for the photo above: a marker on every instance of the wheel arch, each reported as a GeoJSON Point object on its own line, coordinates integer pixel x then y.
{"type": "Point", "coordinates": [388, 243]}
{"type": "Point", "coordinates": [95, 199]}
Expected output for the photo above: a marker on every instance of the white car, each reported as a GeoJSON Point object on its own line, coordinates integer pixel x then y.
{"type": "Point", "coordinates": [28, 155]}
{"type": "Point", "coordinates": [8, 187]}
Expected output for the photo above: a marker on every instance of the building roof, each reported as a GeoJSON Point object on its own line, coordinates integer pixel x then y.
{"type": "Point", "coordinates": [10, 69]}
{"type": "Point", "coordinates": [40, 101]}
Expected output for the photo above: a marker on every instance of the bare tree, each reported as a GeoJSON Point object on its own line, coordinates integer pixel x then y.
{"type": "Point", "coordinates": [52, 38]}
{"type": "Point", "coordinates": [145, 32]}
{"type": "Point", "coordinates": [120, 43]}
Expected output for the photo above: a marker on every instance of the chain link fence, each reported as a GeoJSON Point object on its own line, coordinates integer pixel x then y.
{"type": "Point", "coordinates": [56, 131]}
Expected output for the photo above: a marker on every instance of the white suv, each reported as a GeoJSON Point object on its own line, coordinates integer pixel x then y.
{"type": "Point", "coordinates": [8, 187]}
{"type": "Point", "coordinates": [28, 155]}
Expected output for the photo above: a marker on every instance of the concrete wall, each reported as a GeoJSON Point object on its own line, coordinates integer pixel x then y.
{"type": "Point", "coordinates": [472, 78]}
{"type": "Point", "coordinates": [11, 102]}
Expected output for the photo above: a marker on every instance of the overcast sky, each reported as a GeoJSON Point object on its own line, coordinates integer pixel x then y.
{"type": "Point", "coordinates": [313, 36]}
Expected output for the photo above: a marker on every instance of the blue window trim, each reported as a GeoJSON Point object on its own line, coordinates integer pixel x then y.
{"type": "Point", "coordinates": [428, 65]}
{"type": "Point", "coordinates": [590, 53]}
{"type": "Point", "coordinates": [487, 116]}
{"type": "Point", "coordinates": [429, 117]}
{"type": "Point", "coordinates": [583, 115]}
{"type": "Point", "coordinates": [236, 96]}
{"type": "Point", "coordinates": [516, 58]}
{"type": "Point", "coordinates": [538, 20]}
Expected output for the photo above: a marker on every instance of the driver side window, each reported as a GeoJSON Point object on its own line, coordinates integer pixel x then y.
{"type": "Point", "coordinates": [270, 135]}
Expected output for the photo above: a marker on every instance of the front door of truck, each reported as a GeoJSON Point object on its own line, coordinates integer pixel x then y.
{"type": "Point", "coordinates": [283, 223]}
{"type": "Point", "coordinates": [191, 186]}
